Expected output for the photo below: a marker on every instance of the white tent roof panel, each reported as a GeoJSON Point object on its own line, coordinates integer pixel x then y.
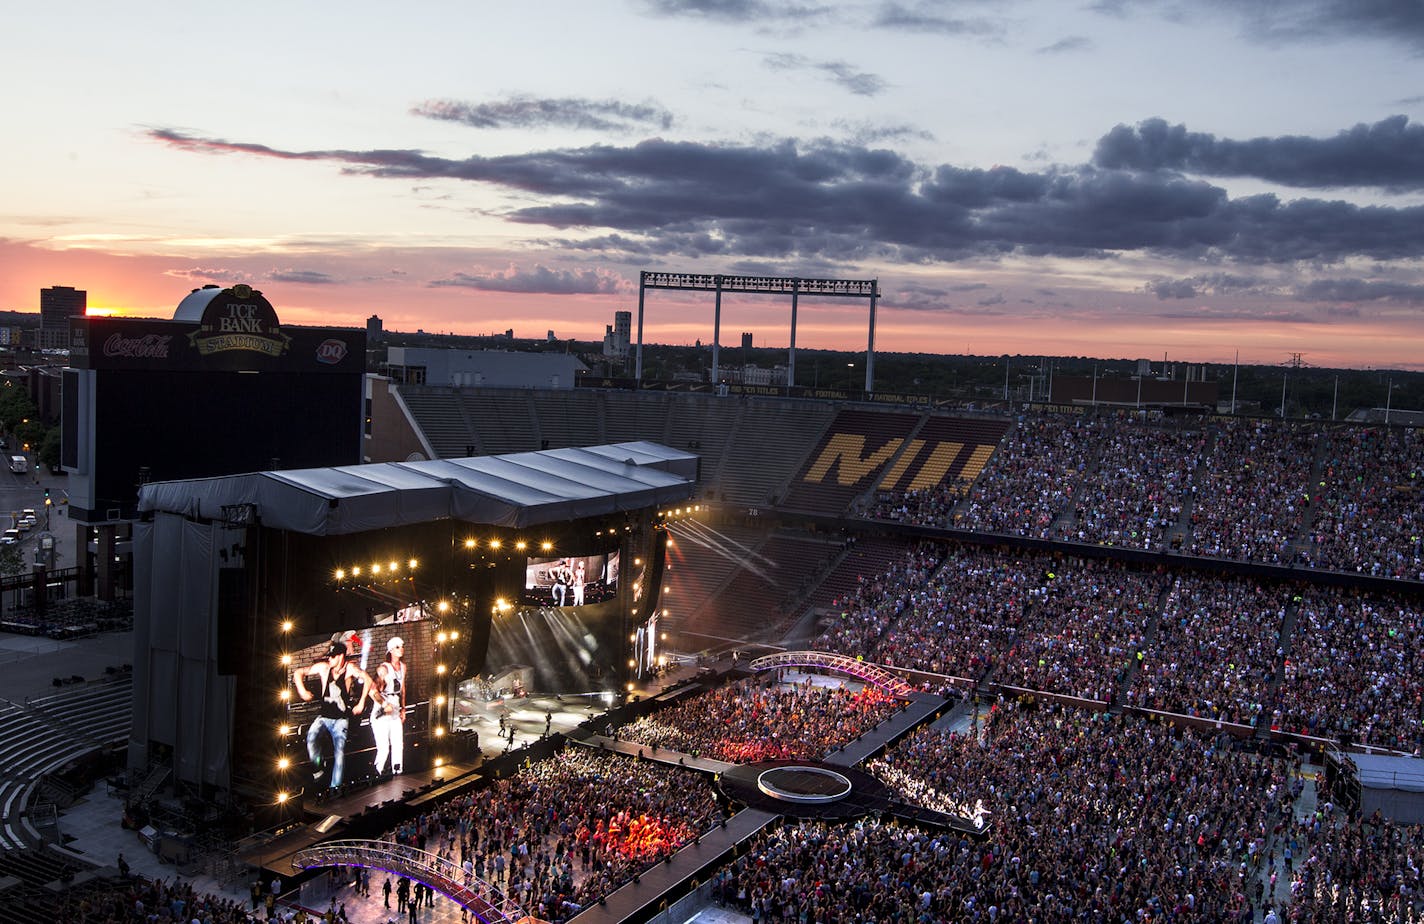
{"type": "Point", "coordinates": [523, 489]}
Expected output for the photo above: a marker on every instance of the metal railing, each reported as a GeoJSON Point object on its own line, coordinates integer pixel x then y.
{"type": "Point", "coordinates": [861, 670]}
{"type": "Point", "coordinates": [481, 899]}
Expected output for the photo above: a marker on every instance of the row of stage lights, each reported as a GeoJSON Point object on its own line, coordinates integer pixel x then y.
{"type": "Point", "coordinates": [377, 569]}
{"type": "Point", "coordinates": [677, 513]}
{"type": "Point", "coordinates": [393, 567]}
{"type": "Point", "coordinates": [285, 731]}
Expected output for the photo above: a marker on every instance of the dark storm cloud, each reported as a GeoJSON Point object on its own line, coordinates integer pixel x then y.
{"type": "Point", "coordinates": [920, 297]}
{"type": "Point", "coordinates": [734, 10]}
{"type": "Point", "coordinates": [1387, 154]}
{"type": "Point", "coordinates": [1361, 290]}
{"type": "Point", "coordinates": [1267, 316]}
{"type": "Point", "coordinates": [304, 277]}
{"type": "Point", "coordinates": [932, 16]}
{"type": "Point", "coordinates": [837, 201]}
{"type": "Point", "coordinates": [1173, 288]}
{"type": "Point", "coordinates": [865, 133]}
{"type": "Point", "coordinates": [1069, 43]}
{"type": "Point", "coordinates": [540, 280]}
{"type": "Point", "coordinates": [1311, 20]}
{"type": "Point", "coordinates": [1207, 284]}
{"type": "Point", "coordinates": [859, 82]}
{"type": "Point", "coordinates": [206, 274]}
{"type": "Point", "coordinates": [533, 112]}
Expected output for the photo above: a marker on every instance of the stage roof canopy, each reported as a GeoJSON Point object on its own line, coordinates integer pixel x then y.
{"type": "Point", "coordinates": [519, 490]}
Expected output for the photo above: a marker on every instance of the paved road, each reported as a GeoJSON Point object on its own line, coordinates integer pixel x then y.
{"type": "Point", "coordinates": [20, 492]}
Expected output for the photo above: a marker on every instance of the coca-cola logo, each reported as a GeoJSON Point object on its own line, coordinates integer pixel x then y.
{"type": "Point", "coordinates": [148, 346]}
{"type": "Point", "coordinates": [331, 352]}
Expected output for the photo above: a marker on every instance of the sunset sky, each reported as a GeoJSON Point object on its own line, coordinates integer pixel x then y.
{"type": "Point", "coordinates": [1119, 178]}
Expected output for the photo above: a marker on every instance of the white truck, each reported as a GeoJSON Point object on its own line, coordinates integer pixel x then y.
{"type": "Point", "coordinates": [19, 465]}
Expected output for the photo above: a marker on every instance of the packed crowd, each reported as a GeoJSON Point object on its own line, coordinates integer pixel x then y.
{"type": "Point", "coordinates": [1250, 501]}
{"type": "Point", "coordinates": [1223, 487]}
{"type": "Point", "coordinates": [748, 721]}
{"type": "Point", "coordinates": [877, 601]}
{"type": "Point", "coordinates": [1134, 494]}
{"type": "Point", "coordinates": [1091, 818]}
{"type": "Point", "coordinates": [1354, 669]}
{"type": "Point", "coordinates": [931, 506]}
{"type": "Point", "coordinates": [562, 833]}
{"type": "Point", "coordinates": [135, 899]}
{"type": "Point", "coordinates": [1078, 627]}
{"type": "Point", "coordinates": [1081, 629]}
{"type": "Point", "coordinates": [1217, 649]}
{"type": "Point", "coordinates": [1356, 870]}
{"type": "Point", "coordinates": [1032, 620]}
{"type": "Point", "coordinates": [959, 622]}
{"type": "Point", "coordinates": [1369, 517]}
{"type": "Point", "coordinates": [1031, 478]}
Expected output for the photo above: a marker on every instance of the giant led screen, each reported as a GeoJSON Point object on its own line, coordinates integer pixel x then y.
{"type": "Point", "coordinates": [359, 704]}
{"type": "Point", "coordinates": [571, 581]}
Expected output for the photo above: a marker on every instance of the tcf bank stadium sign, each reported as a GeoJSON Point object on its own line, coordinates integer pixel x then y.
{"type": "Point", "coordinates": [239, 318]}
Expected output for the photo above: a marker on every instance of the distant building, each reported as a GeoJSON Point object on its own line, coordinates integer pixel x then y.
{"type": "Point", "coordinates": [746, 340]}
{"type": "Point", "coordinates": [57, 305]}
{"type": "Point", "coordinates": [618, 335]}
{"type": "Point", "coordinates": [471, 368]}
{"type": "Point", "coordinates": [375, 330]}
{"type": "Point", "coordinates": [754, 375]}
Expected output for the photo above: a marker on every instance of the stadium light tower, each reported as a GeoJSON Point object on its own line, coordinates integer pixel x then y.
{"type": "Point", "coordinates": [760, 285]}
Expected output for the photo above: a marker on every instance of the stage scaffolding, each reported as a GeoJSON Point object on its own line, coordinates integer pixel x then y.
{"type": "Point", "coordinates": [762, 285]}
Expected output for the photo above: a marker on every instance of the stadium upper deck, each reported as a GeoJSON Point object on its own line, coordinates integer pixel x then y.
{"type": "Point", "coordinates": [1302, 494]}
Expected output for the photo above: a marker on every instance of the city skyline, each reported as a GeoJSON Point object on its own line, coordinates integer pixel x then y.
{"type": "Point", "coordinates": [1117, 179]}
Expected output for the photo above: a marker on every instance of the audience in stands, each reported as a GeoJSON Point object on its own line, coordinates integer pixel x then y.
{"type": "Point", "coordinates": [1250, 498]}
{"type": "Point", "coordinates": [747, 721]}
{"type": "Point", "coordinates": [1217, 649]}
{"type": "Point", "coordinates": [1252, 489]}
{"type": "Point", "coordinates": [1133, 495]}
{"type": "Point", "coordinates": [1032, 620]}
{"type": "Point", "coordinates": [1369, 516]}
{"type": "Point", "coordinates": [1031, 478]}
{"type": "Point", "coordinates": [1091, 819]}
{"type": "Point", "coordinates": [876, 602]}
{"type": "Point", "coordinates": [1354, 669]}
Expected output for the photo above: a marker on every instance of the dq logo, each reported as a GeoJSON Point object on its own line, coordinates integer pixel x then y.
{"type": "Point", "coordinates": [331, 352]}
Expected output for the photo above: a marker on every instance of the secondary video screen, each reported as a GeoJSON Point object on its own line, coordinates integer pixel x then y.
{"type": "Point", "coordinates": [570, 581]}
{"type": "Point", "coordinates": [360, 701]}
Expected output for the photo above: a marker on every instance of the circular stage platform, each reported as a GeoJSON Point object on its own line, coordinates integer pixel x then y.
{"type": "Point", "coordinates": [804, 784]}
{"type": "Point", "coordinates": [807, 789]}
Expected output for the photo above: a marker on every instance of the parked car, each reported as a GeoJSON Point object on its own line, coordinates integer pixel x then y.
{"type": "Point", "coordinates": [10, 537]}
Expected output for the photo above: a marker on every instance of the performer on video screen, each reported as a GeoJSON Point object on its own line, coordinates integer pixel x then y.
{"type": "Point", "coordinates": [580, 573]}
{"type": "Point", "coordinates": [344, 688]}
{"type": "Point", "coordinates": [388, 711]}
{"type": "Point", "coordinates": [561, 575]}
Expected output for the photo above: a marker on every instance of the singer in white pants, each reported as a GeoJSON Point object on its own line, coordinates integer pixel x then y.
{"type": "Point", "coordinates": [388, 717]}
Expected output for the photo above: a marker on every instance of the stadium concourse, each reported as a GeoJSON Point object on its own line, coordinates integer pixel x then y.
{"type": "Point", "coordinates": [1142, 633]}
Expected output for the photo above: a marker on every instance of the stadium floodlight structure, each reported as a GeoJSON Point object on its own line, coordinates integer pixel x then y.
{"type": "Point", "coordinates": [761, 285]}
